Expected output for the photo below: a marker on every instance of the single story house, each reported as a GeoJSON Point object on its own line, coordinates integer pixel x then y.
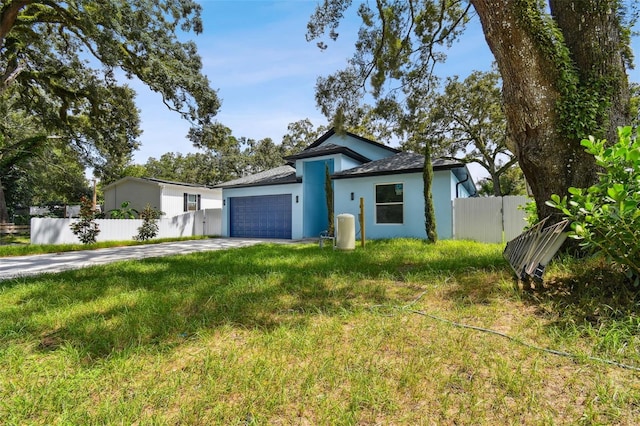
{"type": "Point", "coordinates": [289, 202]}
{"type": "Point", "coordinates": [172, 198]}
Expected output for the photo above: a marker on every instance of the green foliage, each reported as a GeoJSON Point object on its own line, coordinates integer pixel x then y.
{"type": "Point", "coordinates": [585, 107]}
{"type": "Point", "coordinates": [634, 104]}
{"type": "Point", "coordinates": [301, 134]}
{"type": "Point", "coordinates": [214, 338]}
{"type": "Point", "coordinates": [200, 168]}
{"type": "Point", "coordinates": [398, 45]}
{"type": "Point", "coordinates": [55, 175]}
{"type": "Point", "coordinates": [21, 246]}
{"type": "Point", "coordinates": [149, 228]}
{"type": "Point", "coordinates": [605, 217]}
{"type": "Point", "coordinates": [227, 157]}
{"type": "Point", "coordinates": [563, 64]}
{"type": "Point", "coordinates": [86, 229]}
{"type": "Point", "coordinates": [467, 123]}
{"type": "Point", "coordinates": [511, 183]}
{"type": "Point", "coordinates": [138, 37]}
{"type": "Point", "coordinates": [586, 94]}
{"type": "Point", "coordinates": [227, 161]}
{"type": "Point", "coordinates": [263, 154]}
{"type": "Point", "coordinates": [124, 212]}
{"type": "Point", "coordinates": [59, 84]}
{"type": "Point", "coordinates": [328, 188]}
{"type": "Point", "coordinates": [531, 209]}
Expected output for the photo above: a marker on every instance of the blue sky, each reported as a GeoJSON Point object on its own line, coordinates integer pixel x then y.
{"type": "Point", "coordinates": [255, 54]}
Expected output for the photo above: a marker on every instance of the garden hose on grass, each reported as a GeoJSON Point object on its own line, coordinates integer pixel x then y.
{"type": "Point", "coordinates": [407, 309]}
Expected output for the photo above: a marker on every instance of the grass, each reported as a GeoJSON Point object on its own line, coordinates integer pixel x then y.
{"type": "Point", "coordinates": [20, 246]}
{"type": "Point", "coordinates": [14, 239]}
{"type": "Point", "coordinates": [291, 334]}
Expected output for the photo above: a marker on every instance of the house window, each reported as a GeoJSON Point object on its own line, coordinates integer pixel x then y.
{"type": "Point", "coordinates": [191, 202]}
{"type": "Point", "coordinates": [390, 203]}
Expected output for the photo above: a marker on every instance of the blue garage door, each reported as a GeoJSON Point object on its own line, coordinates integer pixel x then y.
{"type": "Point", "coordinates": [264, 216]}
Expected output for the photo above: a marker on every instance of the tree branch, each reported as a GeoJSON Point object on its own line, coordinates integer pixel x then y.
{"type": "Point", "coordinates": [11, 74]}
{"type": "Point", "coordinates": [8, 16]}
{"type": "Point", "coordinates": [20, 150]}
{"type": "Point", "coordinates": [507, 165]}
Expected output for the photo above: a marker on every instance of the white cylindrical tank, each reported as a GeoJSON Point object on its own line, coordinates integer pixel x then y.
{"type": "Point", "coordinates": [346, 235]}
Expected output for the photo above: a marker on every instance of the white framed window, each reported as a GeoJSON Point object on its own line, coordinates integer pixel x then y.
{"type": "Point", "coordinates": [191, 202]}
{"type": "Point", "coordinates": [390, 203]}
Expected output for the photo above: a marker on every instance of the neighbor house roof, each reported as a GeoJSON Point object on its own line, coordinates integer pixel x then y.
{"type": "Point", "coordinates": [279, 175]}
{"type": "Point", "coordinates": [154, 181]}
{"type": "Point", "coordinates": [328, 149]}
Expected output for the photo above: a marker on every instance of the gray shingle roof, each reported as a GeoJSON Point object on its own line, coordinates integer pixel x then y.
{"type": "Point", "coordinates": [332, 132]}
{"type": "Point", "coordinates": [403, 162]}
{"type": "Point", "coordinates": [328, 149]}
{"type": "Point", "coordinates": [195, 185]}
{"type": "Point", "coordinates": [279, 175]}
{"type": "Point", "coordinates": [407, 162]}
{"type": "Point", "coordinates": [155, 181]}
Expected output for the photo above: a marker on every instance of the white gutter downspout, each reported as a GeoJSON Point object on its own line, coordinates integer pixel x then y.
{"type": "Point", "coordinates": [161, 197]}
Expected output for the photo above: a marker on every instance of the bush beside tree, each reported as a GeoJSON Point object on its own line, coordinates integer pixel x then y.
{"type": "Point", "coordinates": [606, 216]}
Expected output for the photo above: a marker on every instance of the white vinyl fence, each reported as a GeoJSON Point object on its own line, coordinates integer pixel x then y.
{"type": "Point", "coordinates": [58, 231]}
{"type": "Point", "coordinates": [489, 219]}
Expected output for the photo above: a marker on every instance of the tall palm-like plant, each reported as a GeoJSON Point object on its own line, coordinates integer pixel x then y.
{"type": "Point", "coordinates": [328, 189]}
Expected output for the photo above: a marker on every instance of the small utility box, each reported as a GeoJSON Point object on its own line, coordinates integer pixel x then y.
{"type": "Point", "coordinates": [346, 232]}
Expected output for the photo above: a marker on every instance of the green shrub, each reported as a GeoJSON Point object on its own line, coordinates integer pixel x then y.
{"type": "Point", "coordinates": [531, 210]}
{"type": "Point", "coordinates": [149, 228]}
{"type": "Point", "coordinates": [124, 212]}
{"type": "Point", "coordinates": [605, 217]}
{"type": "Point", "coordinates": [86, 229]}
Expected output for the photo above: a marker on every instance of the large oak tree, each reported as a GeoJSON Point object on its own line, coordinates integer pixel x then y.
{"type": "Point", "coordinates": [61, 64]}
{"type": "Point", "coordinates": [562, 63]}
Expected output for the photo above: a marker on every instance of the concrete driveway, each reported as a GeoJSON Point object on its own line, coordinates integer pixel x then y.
{"type": "Point", "coordinates": [21, 266]}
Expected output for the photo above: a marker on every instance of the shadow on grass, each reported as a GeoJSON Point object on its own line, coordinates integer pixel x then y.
{"type": "Point", "coordinates": [160, 302]}
{"type": "Point", "coordinates": [479, 286]}
{"type": "Point", "coordinates": [588, 297]}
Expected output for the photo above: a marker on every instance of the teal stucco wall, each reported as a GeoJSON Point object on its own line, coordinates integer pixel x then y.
{"type": "Point", "coordinates": [413, 222]}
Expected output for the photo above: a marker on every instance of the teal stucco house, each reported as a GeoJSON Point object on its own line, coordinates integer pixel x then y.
{"type": "Point", "coordinates": [289, 202]}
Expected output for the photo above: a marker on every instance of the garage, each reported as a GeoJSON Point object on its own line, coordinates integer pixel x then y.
{"type": "Point", "coordinates": [260, 216]}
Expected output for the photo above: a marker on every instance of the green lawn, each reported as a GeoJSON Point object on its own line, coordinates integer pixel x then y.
{"type": "Point", "coordinates": [292, 334]}
{"type": "Point", "coordinates": [20, 246]}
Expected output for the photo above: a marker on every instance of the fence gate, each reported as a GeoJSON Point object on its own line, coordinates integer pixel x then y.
{"type": "Point", "coordinates": [489, 219]}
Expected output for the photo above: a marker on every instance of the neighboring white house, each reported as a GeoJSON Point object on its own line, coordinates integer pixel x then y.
{"type": "Point", "coordinates": [290, 201]}
{"type": "Point", "coordinates": [172, 198]}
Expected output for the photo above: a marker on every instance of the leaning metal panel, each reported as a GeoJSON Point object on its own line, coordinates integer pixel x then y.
{"type": "Point", "coordinates": [529, 253]}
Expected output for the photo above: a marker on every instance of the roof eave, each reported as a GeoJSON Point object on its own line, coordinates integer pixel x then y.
{"type": "Point", "coordinates": [332, 132]}
{"type": "Point", "coordinates": [180, 184]}
{"type": "Point", "coordinates": [155, 182]}
{"type": "Point", "coordinates": [255, 184]}
{"type": "Point", "coordinates": [379, 173]}
{"type": "Point", "coordinates": [338, 150]}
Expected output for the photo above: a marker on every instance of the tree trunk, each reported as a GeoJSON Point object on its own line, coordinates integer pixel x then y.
{"type": "Point", "coordinates": [497, 187]}
{"type": "Point", "coordinates": [4, 214]}
{"type": "Point", "coordinates": [429, 212]}
{"type": "Point", "coordinates": [591, 31]}
{"type": "Point", "coordinates": [551, 160]}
